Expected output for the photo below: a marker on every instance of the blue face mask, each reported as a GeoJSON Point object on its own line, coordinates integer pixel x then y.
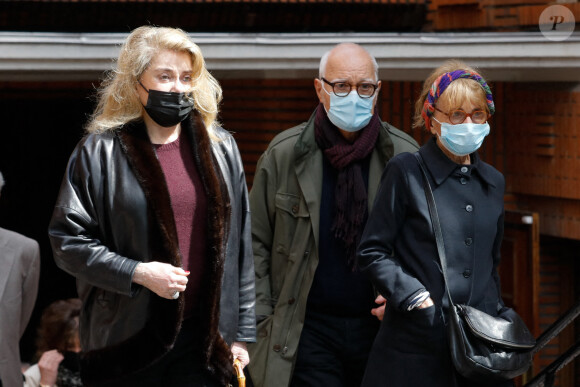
{"type": "Point", "coordinates": [463, 139]}
{"type": "Point", "coordinates": [350, 113]}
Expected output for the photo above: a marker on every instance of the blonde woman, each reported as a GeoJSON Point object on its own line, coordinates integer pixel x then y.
{"type": "Point", "coordinates": [152, 219]}
{"type": "Point", "coordinates": [398, 249]}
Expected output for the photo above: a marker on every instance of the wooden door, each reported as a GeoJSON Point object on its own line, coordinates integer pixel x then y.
{"type": "Point", "coordinates": [520, 269]}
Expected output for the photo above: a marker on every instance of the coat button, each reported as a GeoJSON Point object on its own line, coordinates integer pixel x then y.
{"type": "Point", "coordinates": [295, 209]}
{"type": "Point", "coordinates": [291, 301]}
{"type": "Point", "coordinates": [464, 169]}
{"type": "Point", "coordinates": [467, 273]}
{"type": "Point", "coordinates": [277, 348]}
{"type": "Point", "coordinates": [468, 241]}
{"type": "Point", "coordinates": [469, 208]}
{"type": "Point", "coordinates": [263, 333]}
{"type": "Point", "coordinates": [463, 181]}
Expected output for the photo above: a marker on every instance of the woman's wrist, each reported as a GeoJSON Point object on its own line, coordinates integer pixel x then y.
{"type": "Point", "coordinates": [139, 274]}
{"type": "Point", "coordinates": [427, 303]}
{"type": "Point", "coordinates": [418, 301]}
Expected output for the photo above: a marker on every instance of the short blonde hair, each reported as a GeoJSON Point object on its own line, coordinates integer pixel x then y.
{"type": "Point", "coordinates": [459, 91]}
{"type": "Point", "coordinates": [118, 102]}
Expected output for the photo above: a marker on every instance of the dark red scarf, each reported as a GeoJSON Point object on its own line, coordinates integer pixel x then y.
{"type": "Point", "coordinates": [351, 197]}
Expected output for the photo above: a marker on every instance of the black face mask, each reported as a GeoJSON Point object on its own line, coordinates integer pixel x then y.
{"type": "Point", "coordinates": [167, 108]}
{"type": "Point", "coordinates": [71, 361]}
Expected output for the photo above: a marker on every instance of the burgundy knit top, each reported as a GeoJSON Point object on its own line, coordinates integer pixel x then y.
{"type": "Point", "coordinates": [188, 200]}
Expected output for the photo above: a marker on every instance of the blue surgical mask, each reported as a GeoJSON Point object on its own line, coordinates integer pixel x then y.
{"type": "Point", "coordinates": [350, 113]}
{"type": "Point", "coordinates": [463, 139]}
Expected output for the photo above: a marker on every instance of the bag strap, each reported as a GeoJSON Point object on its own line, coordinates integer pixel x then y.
{"type": "Point", "coordinates": [435, 222]}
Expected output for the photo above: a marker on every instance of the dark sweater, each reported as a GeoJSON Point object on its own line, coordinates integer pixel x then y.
{"type": "Point", "coordinates": [336, 289]}
{"type": "Point", "coordinates": [188, 201]}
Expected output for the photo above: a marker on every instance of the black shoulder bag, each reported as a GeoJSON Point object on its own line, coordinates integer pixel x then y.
{"type": "Point", "coordinates": [482, 347]}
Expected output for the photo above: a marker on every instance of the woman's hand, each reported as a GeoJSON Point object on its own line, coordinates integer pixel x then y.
{"type": "Point", "coordinates": [380, 310]}
{"type": "Point", "coordinates": [240, 352]}
{"type": "Point", "coordinates": [48, 366]}
{"type": "Point", "coordinates": [427, 303]}
{"type": "Point", "coordinates": [162, 279]}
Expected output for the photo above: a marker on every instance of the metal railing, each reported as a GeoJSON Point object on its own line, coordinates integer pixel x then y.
{"type": "Point", "coordinates": [547, 376]}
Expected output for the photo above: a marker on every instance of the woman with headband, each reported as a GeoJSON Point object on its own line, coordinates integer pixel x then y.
{"type": "Point", "coordinates": [398, 249]}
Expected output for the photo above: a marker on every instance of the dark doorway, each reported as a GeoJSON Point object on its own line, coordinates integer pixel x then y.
{"type": "Point", "coordinates": [41, 124]}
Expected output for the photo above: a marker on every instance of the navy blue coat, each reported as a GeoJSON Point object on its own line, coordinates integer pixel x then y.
{"type": "Point", "coordinates": [399, 254]}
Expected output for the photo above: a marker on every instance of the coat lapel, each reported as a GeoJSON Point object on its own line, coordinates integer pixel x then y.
{"type": "Point", "coordinates": [383, 152]}
{"type": "Point", "coordinates": [218, 357]}
{"type": "Point", "coordinates": [308, 168]}
{"type": "Point", "coordinates": [143, 160]}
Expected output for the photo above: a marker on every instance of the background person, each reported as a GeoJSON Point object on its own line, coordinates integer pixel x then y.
{"type": "Point", "coordinates": [19, 275]}
{"type": "Point", "coordinates": [398, 249]}
{"type": "Point", "coordinates": [309, 201]}
{"type": "Point", "coordinates": [58, 346]}
{"type": "Point", "coordinates": [153, 221]}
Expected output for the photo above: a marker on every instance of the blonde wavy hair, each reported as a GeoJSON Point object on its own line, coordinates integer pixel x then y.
{"type": "Point", "coordinates": [456, 93]}
{"type": "Point", "coordinates": [117, 100]}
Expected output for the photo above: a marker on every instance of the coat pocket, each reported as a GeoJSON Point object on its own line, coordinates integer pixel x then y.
{"type": "Point", "coordinates": [292, 224]}
{"type": "Point", "coordinates": [417, 331]}
{"type": "Point", "coordinates": [291, 211]}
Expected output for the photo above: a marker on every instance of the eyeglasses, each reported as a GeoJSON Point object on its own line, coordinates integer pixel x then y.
{"type": "Point", "coordinates": [457, 116]}
{"type": "Point", "coordinates": [342, 89]}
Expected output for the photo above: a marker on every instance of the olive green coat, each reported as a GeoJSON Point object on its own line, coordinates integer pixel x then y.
{"type": "Point", "coordinates": [285, 205]}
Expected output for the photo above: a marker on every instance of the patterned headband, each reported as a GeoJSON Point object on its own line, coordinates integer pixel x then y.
{"type": "Point", "coordinates": [443, 82]}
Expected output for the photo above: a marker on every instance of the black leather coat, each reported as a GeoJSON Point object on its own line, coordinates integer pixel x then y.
{"type": "Point", "coordinates": [114, 211]}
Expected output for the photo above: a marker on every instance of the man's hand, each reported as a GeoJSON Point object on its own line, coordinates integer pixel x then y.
{"type": "Point", "coordinates": [48, 366]}
{"type": "Point", "coordinates": [379, 311]}
{"type": "Point", "coordinates": [240, 352]}
{"type": "Point", "coordinates": [162, 279]}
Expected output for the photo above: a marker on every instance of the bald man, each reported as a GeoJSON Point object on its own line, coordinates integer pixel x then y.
{"type": "Point", "coordinates": [313, 188]}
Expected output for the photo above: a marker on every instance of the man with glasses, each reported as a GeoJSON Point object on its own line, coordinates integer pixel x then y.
{"type": "Point", "coordinates": [310, 199]}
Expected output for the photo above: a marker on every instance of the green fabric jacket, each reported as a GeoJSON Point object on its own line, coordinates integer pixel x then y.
{"type": "Point", "coordinates": [285, 205]}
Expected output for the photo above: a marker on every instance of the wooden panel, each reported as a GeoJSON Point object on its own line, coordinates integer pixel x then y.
{"type": "Point", "coordinates": [255, 110]}
{"type": "Point", "coordinates": [543, 136]}
{"type": "Point", "coordinates": [407, 108]}
{"type": "Point", "coordinates": [498, 128]}
{"type": "Point", "coordinates": [443, 3]}
{"type": "Point", "coordinates": [386, 100]}
{"type": "Point", "coordinates": [520, 271]}
{"type": "Point", "coordinates": [243, 1]}
{"type": "Point", "coordinates": [508, 15]}
{"type": "Point", "coordinates": [558, 217]}
{"type": "Point", "coordinates": [419, 134]}
{"type": "Point", "coordinates": [531, 15]}
{"type": "Point", "coordinates": [454, 18]}
{"type": "Point", "coordinates": [544, 154]}
{"type": "Point", "coordinates": [396, 109]}
{"type": "Point", "coordinates": [214, 15]}
{"type": "Point", "coordinates": [505, 3]}
{"type": "Point", "coordinates": [557, 290]}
